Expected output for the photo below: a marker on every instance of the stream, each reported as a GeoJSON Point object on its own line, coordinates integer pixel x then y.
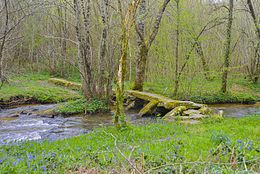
{"type": "Point", "coordinates": [28, 122]}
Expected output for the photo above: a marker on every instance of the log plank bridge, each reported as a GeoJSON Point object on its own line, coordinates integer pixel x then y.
{"type": "Point", "coordinates": [172, 108]}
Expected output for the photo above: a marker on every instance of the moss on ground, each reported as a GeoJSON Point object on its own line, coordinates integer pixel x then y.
{"type": "Point", "coordinates": [82, 106]}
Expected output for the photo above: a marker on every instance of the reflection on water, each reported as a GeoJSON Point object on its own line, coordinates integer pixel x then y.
{"type": "Point", "coordinates": [237, 110]}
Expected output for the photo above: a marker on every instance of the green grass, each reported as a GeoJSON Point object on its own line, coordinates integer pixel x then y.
{"type": "Point", "coordinates": [160, 147]}
{"type": "Point", "coordinates": [37, 88]}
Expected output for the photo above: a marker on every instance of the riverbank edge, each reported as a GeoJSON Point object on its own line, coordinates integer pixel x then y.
{"type": "Point", "coordinates": [68, 106]}
{"type": "Point", "coordinates": [155, 145]}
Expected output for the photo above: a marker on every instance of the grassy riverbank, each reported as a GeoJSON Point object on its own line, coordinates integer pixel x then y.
{"type": "Point", "coordinates": [35, 89]}
{"type": "Point", "coordinates": [213, 146]}
{"type": "Point", "coordinates": [200, 90]}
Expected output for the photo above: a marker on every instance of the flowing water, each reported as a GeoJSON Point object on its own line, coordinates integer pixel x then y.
{"type": "Point", "coordinates": [237, 110]}
{"type": "Point", "coordinates": [29, 122]}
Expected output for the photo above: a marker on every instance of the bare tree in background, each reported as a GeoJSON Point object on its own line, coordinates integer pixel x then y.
{"type": "Point", "coordinates": [12, 14]}
{"type": "Point", "coordinates": [255, 68]}
{"type": "Point", "coordinates": [145, 44]}
{"type": "Point", "coordinates": [82, 13]}
{"type": "Point", "coordinates": [227, 47]}
{"type": "Point", "coordinates": [103, 79]}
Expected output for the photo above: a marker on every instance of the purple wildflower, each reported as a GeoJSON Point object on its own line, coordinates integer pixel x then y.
{"type": "Point", "coordinates": [44, 168]}
{"type": "Point", "coordinates": [28, 164]}
{"type": "Point", "coordinates": [239, 141]}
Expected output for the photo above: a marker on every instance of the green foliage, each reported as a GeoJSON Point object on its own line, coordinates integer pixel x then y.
{"type": "Point", "coordinates": [82, 106]}
{"type": "Point", "coordinates": [158, 145]}
{"type": "Point", "coordinates": [220, 137]}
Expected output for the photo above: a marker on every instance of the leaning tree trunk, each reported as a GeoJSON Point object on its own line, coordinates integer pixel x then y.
{"type": "Point", "coordinates": [227, 47]}
{"type": "Point", "coordinates": [205, 66]}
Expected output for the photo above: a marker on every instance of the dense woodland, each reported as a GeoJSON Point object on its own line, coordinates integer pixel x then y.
{"type": "Point", "coordinates": [92, 61]}
{"type": "Point", "coordinates": [107, 42]}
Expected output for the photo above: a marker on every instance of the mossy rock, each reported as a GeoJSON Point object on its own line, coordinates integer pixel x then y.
{"type": "Point", "coordinates": [47, 112]}
{"type": "Point", "coordinates": [206, 110]}
{"type": "Point", "coordinates": [175, 112]}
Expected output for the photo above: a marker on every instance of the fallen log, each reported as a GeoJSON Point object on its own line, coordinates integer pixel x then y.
{"type": "Point", "coordinates": [65, 83]}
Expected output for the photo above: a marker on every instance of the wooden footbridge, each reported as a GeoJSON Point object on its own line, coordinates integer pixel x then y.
{"type": "Point", "coordinates": [154, 104]}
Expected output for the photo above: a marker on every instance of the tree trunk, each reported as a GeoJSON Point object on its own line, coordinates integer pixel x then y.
{"type": "Point", "coordinates": [256, 68]}
{"type": "Point", "coordinates": [2, 45]}
{"type": "Point", "coordinates": [62, 11]}
{"type": "Point", "coordinates": [1, 68]}
{"type": "Point", "coordinates": [140, 68]}
{"type": "Point", "coordinates": [143, 52]}
{"type": "Point", "coordinates": [84, 51]}
{"type": "Point", "coordinates": [127, 22]}
{"type": "Point", "coordinates": [227, 47]}
{"type": "Point", "coordinates": [143, 46]}
{"type": "Point", "coordinates": [102, 81]}
{"type": "Point", "coordinates": [177, 79]}
{"type": "Point", "coordinates": [205, 66]}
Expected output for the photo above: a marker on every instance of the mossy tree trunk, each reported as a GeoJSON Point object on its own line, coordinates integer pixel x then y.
{"type": "Point", "coordinates": [127, 22]}
{"type": "Point", "coordinates": [227, 47]}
